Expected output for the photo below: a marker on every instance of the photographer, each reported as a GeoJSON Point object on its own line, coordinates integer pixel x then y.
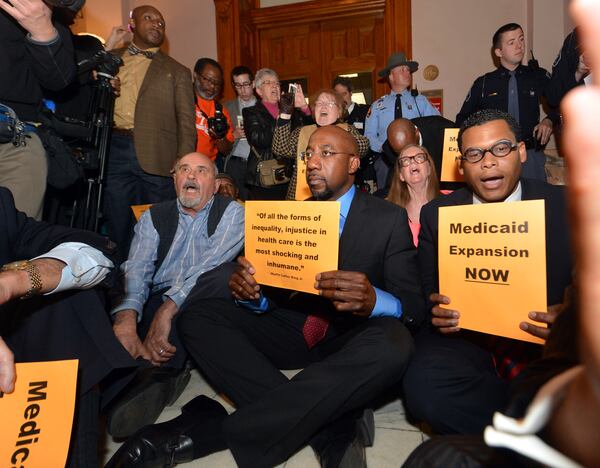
{"type": "Point", "coordinates": [213, 123]}
{"type": "Point", "coordinates": [34, 54]}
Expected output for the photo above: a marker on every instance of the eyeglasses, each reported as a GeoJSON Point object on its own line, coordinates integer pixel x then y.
{"type": "Point", "coordinates": [325, 104]}
{"type": "Point", "coordinates": [215, 83]}
{"type": "Point", "coordinates": [246, 84]}
{"type": "Point", "coordinates": [500, 149]}
{"type": "Point", "coordinates": [271, 83]}
{"type": "Point", "coordinates": [325, 154]}
{"type": "Point", "coordinates": [405, 161]}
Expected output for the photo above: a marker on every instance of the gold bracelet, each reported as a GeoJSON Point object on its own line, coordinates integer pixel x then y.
{"type": "Point", "coordinates": [35, 279]}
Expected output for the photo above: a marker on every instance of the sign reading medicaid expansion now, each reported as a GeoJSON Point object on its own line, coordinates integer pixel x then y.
{"type": "Point", "coordinates": [492, 264]}
{"type": "Point", "coordinates": [37, 417]}
{"type": "Point", "coordinates": [449, 154]}
{"type": "Point", "coordinates": [289, 242]}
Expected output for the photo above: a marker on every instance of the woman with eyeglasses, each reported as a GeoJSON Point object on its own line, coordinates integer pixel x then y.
{"type": "Point", "coordinates": [259, 125]}
{"type": "Point", "coordinates": [414, 184]}
{"type": "Point", "coordinates": [328, 109]}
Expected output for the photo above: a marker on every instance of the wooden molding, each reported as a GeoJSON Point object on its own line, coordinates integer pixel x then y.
{"type": "Point", "coordinates": [315, 10]}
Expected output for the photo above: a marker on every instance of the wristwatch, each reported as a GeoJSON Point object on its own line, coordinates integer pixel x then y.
{"type": "Point", "coordinates": [35, 279]}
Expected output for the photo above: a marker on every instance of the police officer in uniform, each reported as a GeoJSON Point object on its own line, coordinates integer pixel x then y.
{"type": "Point", "coordinates": [570, 69]}
{"type": "Point", "coordinates": [401, 102]}
{"type": "Point", "coordinates": [517, 89]}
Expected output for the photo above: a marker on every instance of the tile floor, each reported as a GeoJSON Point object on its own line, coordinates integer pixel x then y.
{"type": "Point", "coordinates": [395, 437]}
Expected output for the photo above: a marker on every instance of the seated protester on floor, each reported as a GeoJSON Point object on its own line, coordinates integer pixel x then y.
{"type": "Point", "coordinates": [564, 412]}
{"type": "Point", "coordinates": [174, 243]}
{"type": "Point", "coordinates": [60, 324]}
{"type": "Point", "coordinates": [400, 133]}
{"type": "Point", "coordinates": [328, 109]}
{"type": "Point", "coordinates": [227, 187]}
{"type": "Point", "coordinates": [429, 133]}
{"type": "Point", "coordinates": [517, 89]}
{"type": "Point", "coordinates": [414, 184]}
{"type": "Point", "coordinates": [355, 348]}
{"type": "Point", "coordinates": [454, 383]}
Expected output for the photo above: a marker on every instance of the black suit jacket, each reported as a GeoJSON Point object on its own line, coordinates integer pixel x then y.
{"type": "Point", "coordinates": [24, 238]}
{"type": "Point", "coordinates": [376, 241]}
{"type": "Point", "coordinates": [358, 114]}
{"type": "Point", "coordinates": [66, 325]}
{"type": "Point", "coordinates": [558, 253]}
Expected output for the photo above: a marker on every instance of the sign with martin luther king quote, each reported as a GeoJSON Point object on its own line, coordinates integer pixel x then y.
{"type": "Point", "coordinates": [492, 264]}
{"type": "Point", "coordinates": [289, 242]}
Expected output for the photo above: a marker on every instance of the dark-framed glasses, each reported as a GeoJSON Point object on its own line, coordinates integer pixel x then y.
{"type": "Point", "coordinates": [245, 84]}
{"type": "Point", "coordinates": [499, 149]}
{"type": "Point", "coordinates": [215, 83]}
{"type": "Point", "coordinates": [325, 154]}
{"type": "Point", "coordinates": [404, 161]}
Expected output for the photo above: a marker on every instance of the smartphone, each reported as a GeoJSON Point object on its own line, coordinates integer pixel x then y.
{"type": "Point", "coordinates": [240, 121]}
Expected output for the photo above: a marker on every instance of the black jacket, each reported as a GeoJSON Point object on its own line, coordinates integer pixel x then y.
{"type": "Point", "coordinates": [28, 67]}
{"type": "Point", "coordinates": [259, 126]}
{"type": "Point", "coordinates": [490, 91]}
{"type": "Point", "coordinates": [563, 70]}
{"type": "Point", "coordinates": [558, 252]}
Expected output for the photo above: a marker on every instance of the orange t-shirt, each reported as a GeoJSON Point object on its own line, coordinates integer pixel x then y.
{"type": "Point", "coordinates": [205, 144]}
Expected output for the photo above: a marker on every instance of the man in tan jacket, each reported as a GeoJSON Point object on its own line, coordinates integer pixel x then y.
{"type": "Point", "coordinates": [154, 124]}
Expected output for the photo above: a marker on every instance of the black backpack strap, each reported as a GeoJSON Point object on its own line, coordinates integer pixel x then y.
{"type": "Point", "coordinates": [165, 217]}
{"type": "Point", "coordinates": [217, 209]}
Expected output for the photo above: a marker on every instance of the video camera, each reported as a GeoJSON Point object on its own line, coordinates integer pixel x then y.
{"type": "Point", "coordinates": [106, 64]}
{"type": "Point", "coordinates": [218, 124]}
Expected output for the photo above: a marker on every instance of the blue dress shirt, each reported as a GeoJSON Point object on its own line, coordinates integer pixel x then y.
{"type": "Point", "coordinates": [382, 114]}
{"type": "Point", "coordinates": [385, 305]}
{"type": "Point", "coordinates": [191, 254]}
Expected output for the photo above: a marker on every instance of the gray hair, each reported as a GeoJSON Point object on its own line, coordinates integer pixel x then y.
{"type": "Point", "coordinates": [262, 74]}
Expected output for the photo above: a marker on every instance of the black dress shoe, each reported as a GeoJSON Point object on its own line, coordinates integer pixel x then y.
{"type": "Point", "coordinates": [343, 452]}
{"type": "Point", "coordinates": [145, 398]}
{"type": "Point", "coordinates": [153, 447]}
{"type": "Point", "coordinates": [341, 444]}
{"type": "Point", "coordinates": [195, 433]}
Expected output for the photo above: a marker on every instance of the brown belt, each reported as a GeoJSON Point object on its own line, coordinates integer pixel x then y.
{"type": "Point", "coordinates": [123, 131]}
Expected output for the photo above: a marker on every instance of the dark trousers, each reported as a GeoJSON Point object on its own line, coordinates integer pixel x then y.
{"type": "Point", "coordinates": [127, 184]}
{"type": "Point", "coordinates": [69, 325]}
{"type": "Point", "coordinates": [452, 384]}
{"type": "Point", "coordinates": [241, 353]}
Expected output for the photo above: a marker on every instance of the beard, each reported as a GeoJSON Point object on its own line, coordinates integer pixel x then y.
{"type": "Point", "coordinates": [323, 195]}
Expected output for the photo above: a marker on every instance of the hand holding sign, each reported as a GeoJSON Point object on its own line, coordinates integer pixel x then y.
{"type": "Point", "coordinates": [445, 320]}
{"type": "Point", "coordinates": [242, 284]}
{"type": "Point", "coordinates": [7, 368]}
{"type": "Point", "coordinates": [350, 291]}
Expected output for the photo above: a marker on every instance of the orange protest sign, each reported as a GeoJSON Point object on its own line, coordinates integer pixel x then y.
{"type": "Point", "coordinates": [302, 190]}
{"type": "Point", "coordinates": [37, 417]}
{"type": "Point", "coordinates": [289, 242]}
{"type": "Point", "coordinates": [451, 152]}
{"type": "Point", "coordinates": [138, 210]}
{"type": "Point", "coordinates": [492, 264]}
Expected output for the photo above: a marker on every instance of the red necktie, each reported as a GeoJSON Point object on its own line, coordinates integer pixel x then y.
{"type": "Point", "coordinates": [314, 329]}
